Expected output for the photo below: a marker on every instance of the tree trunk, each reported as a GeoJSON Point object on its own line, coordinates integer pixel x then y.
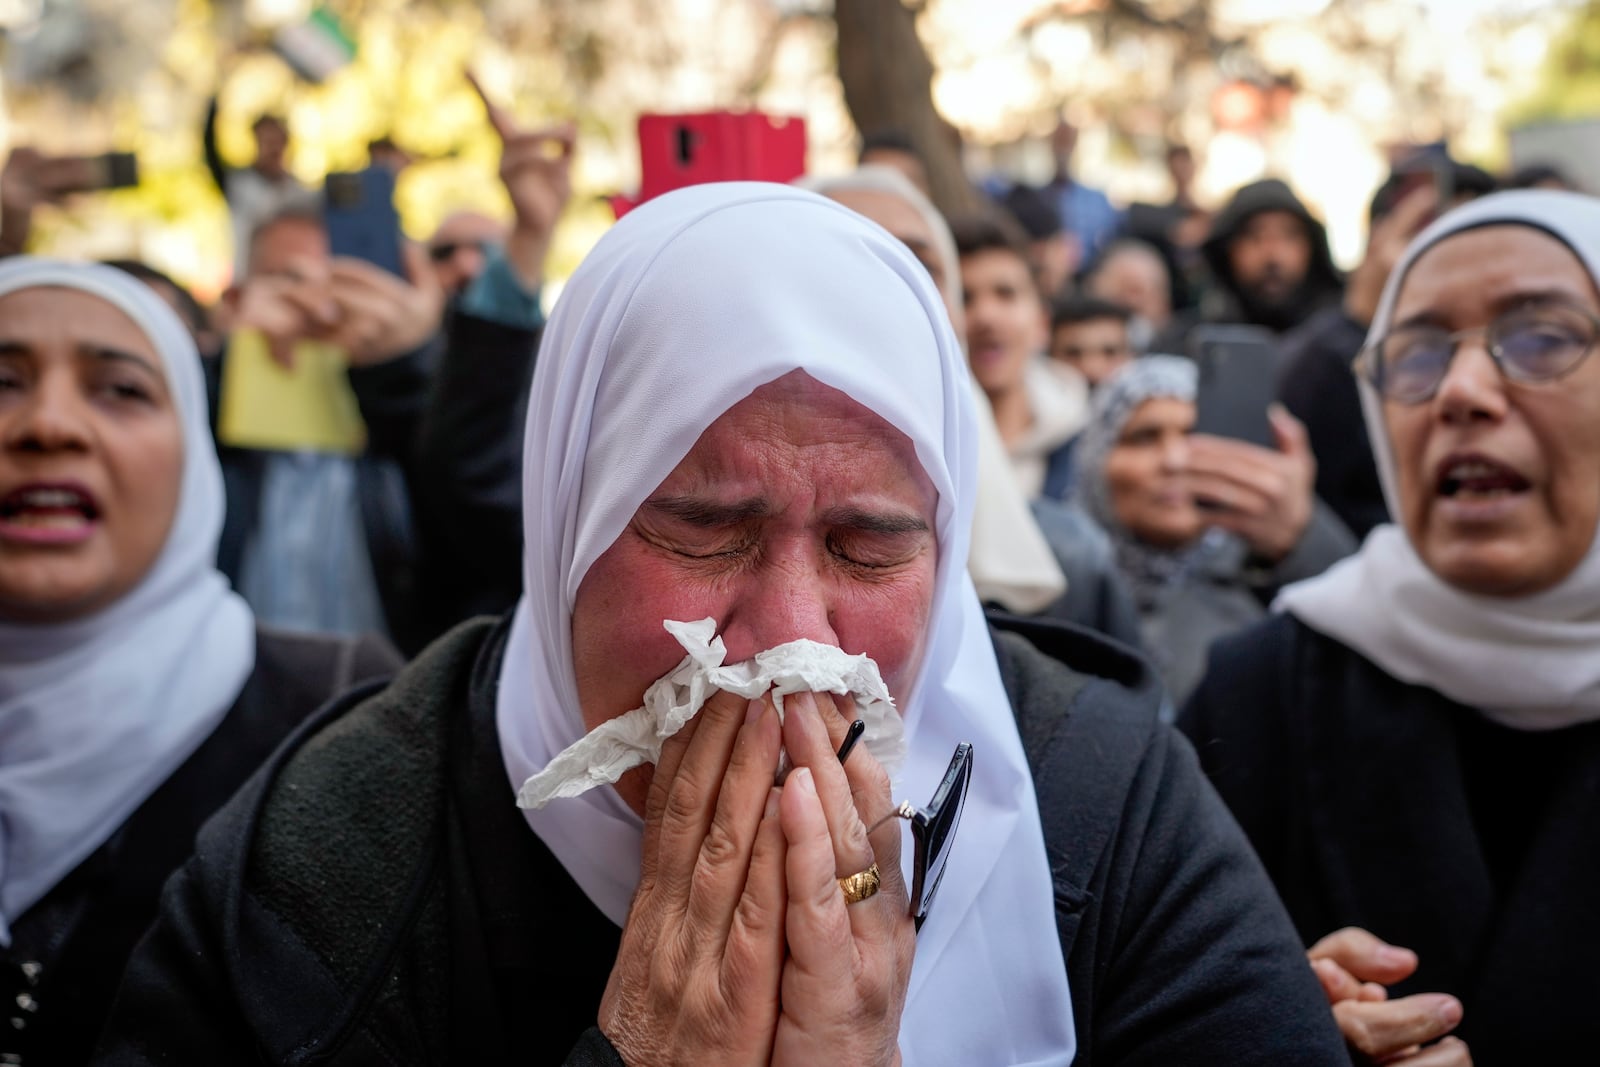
{"type": "Point", "coordinates": [888, 84]}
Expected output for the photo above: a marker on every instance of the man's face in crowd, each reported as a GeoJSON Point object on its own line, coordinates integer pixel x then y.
{"type": "Point", "coordinates": [1096, 348]}
{"type": "Point", "coordinates": [1006, 323]}
{"type": "Point", "coordinates": [458, 248]}
{"type": "Point", "coordinates": [904, 162]}
{"type": "Point", "coordinates": [290, 248]}
{"type": "Point", "coordinates": [272, 145]}
{"type": "Point", "coordinates": [1270, 257]}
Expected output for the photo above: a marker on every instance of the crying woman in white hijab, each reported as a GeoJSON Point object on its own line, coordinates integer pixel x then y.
{"type": "Point", "coordinates": [135, 691]}
{"type": "Point", "coordinates": [1022, 550]}
{"type": "Point", "coordinates": [749, 408]}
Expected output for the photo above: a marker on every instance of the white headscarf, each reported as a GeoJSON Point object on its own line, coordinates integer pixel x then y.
{"type": "Point", "coordinates": [1010, 561]}
{"type": "Point", "coordinates": [1530, 662]}
{"type": "Point", "coordinates": [96, 713]}
{"type": "Point", "coordinates": [692, 302]}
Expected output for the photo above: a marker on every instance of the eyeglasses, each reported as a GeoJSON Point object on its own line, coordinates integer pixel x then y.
{"type": "Point", "coordinates": [933, 830]}
{"type": "Point", "coordinates": [446, 249]}
{"type": "Point", "coordinates": [1534, 343]}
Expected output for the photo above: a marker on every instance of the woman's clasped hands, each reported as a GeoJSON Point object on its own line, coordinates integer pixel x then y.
{"type": "Point", "coordinates": [740, 947]}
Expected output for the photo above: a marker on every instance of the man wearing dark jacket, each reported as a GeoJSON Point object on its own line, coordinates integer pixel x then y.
{"type": "Point", "coordinates": [1269, 262]}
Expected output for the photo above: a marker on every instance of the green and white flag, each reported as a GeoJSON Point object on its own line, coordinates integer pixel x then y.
{"type": "Point", "coordinates": [317, 47]}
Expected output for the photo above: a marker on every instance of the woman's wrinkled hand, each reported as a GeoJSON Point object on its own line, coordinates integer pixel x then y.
{"type": "Point", "coordinates": [698, 972]}
{"type": "Point", "coordinates": [1354, 967]}
{"type": "Point", "coordinates": [848, 966]}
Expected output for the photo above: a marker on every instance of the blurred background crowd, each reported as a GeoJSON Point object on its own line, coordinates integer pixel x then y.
{"type": "Point", "coordinates": [1162, 229]}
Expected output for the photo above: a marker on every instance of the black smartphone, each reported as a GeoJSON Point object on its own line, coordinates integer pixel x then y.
{"type": "Point", "coordinates": [91, 174]}
{"type": "Point", "coordinates": [1238, 382]}
{"type": "Point", "coordinates": [358, 208]}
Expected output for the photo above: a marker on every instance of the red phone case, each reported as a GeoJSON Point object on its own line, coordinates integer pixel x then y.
{"type": "Point", "coordinates": [715, 146]}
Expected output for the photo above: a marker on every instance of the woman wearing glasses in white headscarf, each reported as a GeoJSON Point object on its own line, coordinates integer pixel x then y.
{"type": "Point", "coordinates": [135, 691]}
{"type": "Point", "coordinates": [749, 406]}
{"type": "Point", "coordinates": [1412, 745]}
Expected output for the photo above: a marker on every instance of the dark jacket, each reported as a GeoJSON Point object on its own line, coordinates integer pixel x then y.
{"type": "Point", "coordinates": [1230, 302]}
{"type": "Point", "coordinates": [68, 950]}
{"type": "Point", "coordinates": [1318, 386]}
{"type": "Point", "coordinates": [392, 397]}
{"type": "Point", "coordinates": [468, 488]}
{"type": "Point", "coordinates": [419, 923]}
{"type": "Point", "coordinates": [1179, 621]}
{"type": "Point", "coordinates": [1384, 805]}
{"type": "Point", "coordinates": [1097, 597]}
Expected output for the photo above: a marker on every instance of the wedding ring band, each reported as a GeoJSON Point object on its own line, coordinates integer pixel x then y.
{"type": "Point", "coordinates": [861, 885]}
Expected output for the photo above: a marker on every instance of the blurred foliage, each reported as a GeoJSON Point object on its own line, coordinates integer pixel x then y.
{"type": "Point", "coordinates": [1569, 83]}
{"type": "Point", "coordinates": [547, 60]}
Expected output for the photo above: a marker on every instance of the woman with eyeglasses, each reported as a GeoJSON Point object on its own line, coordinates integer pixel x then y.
{"type": "Point", "coordinates": [749, 408]}
{"type": "Point", "coordinates": [1412, 743]}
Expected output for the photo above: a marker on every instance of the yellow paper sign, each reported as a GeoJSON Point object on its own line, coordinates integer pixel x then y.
{"type": "Point", "coordinates": [308, 407]}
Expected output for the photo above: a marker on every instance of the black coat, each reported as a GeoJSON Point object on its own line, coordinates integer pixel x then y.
{"type": "Point", "coordinates": [1318, 386]}
{"type": "Point", "coordinates": [421, 923]}
{"type": "Point", "coordinates": [1387, 806]}
{"type": "Point", "coordinates": [68, 950]}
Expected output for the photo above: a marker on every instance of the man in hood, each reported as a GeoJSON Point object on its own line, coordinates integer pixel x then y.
{"type": "Point", "coordinates": [1269, 258]}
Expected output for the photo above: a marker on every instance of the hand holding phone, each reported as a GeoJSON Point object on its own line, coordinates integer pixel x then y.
{"type": "Point", "coordinates": [1238, 368]}
{"type": "Point", "coordinates": [358, 209]}
{"type": "Point", "coordinates": [1388, 240]}
{"type": "Point", "coordinates": [1263, 495]}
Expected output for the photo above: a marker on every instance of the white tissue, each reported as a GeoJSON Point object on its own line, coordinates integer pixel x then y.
{"type": "Point", "coordinates": [602, 755]}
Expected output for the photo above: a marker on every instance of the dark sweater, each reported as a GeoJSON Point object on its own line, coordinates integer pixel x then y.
{"type": "Point", "coordinates": [418, 925]}
{"type": "Point", "coordinates": [68, 950]}
{"type": "Point", "coordinates": [1388, 806]}
{"type": "Point", "coordinates": [1318, 386]}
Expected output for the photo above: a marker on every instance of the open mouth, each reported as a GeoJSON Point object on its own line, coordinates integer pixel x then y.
{"type": "Point", "coordinates": [1470, 478]}
{"type": "Point", "coordinates": [48, 507]}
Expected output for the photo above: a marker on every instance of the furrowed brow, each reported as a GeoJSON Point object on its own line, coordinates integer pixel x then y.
{"type": "Point", "coordinates": [879, 522]}
{"type": "Point", "coordinates": [105, 354]}
{"type": "Point", "coordinates": [709, 514]}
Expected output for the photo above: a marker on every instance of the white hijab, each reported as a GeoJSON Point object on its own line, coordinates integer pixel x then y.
{"type": "Point", "coordinates": [96, 713]}
{"type": "Point", "coordinates": [1009, 560]}
{"type": "Point", "coordinates": [683, 309]}
{"type": "Point", "coordinates": [1530, 662]}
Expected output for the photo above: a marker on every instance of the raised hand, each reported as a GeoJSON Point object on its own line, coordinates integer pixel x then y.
{"type": "Point", "coordinates": [536, 169]}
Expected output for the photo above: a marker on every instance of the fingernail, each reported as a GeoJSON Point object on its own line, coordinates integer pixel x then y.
{"type": "Point", "coordinates": [752, 711]}
{"type": "Point", "coordinates": [772, 804]}
{"type": "Point", "coordinates": [801, 777]}
{"type": "Point", "coordinates": [1448, 1011]}
{"type": "Point", "coordinates": [1390, 954]}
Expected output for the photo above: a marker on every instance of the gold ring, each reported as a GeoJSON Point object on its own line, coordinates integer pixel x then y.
{"type": "Point", "coordinates": [861, 885]}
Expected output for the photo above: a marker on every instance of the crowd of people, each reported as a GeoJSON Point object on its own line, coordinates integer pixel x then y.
{"type": "Point", "coordinates": [1268, 740]}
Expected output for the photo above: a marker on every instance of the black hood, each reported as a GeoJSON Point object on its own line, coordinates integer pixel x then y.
{"type": "Point", "coordinates": [1323, 280]}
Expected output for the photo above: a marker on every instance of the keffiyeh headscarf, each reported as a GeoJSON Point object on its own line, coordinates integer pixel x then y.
{"type": "Point", "coordinates": [1152, 572]}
